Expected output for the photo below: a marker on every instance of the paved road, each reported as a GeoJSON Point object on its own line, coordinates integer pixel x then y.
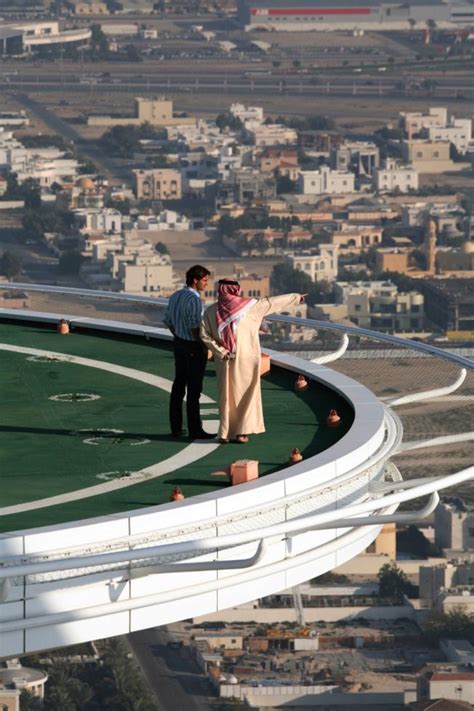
{"type": "Point", "coordinates": [87, 148]}
{"type": "Point", "coordinates": [172, 674]}
{"type": "Point", "coordinates": [366, 85]}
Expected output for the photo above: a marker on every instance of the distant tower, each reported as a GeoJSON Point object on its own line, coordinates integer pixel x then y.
{"type": "Point", "coordinates": [430, 246]}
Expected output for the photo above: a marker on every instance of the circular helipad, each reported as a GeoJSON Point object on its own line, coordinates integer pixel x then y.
{"type": "Point", "coordinates": [84, 426]}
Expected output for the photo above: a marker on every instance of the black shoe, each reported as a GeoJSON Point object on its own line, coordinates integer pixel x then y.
{"type": "Point", "coordinates": [179, 433]}
{"type": "Point", "coordinates": [201, 435]}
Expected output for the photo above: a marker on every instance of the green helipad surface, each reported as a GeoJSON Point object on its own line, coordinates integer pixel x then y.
{"type": "Point", "coordinates": [68, 424]}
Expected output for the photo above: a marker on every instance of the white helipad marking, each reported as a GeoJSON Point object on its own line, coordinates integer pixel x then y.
{"type": "Point", "coordinates": [156, 380]}
{"type": "Point", "coordinates": [74, 397]}
{"type": "Point", "coordinates": [186, 456]}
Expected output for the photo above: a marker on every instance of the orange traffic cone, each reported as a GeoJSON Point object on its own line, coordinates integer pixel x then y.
{"type": "Point", "coordinates": [177, 494]}
{"type": "Point", "coordinates": [333, 419]}
{"type": "Point", "coordinates": [63, 327]}
{"type": "Point", "coordinates": [295, 456]}
{"type": "Point", "coordinates": [301, 383]}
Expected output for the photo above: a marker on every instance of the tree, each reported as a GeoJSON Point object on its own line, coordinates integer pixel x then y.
{"type": "Point", "coordinates": [284, 279]}
{"type": "Point", "coordinates": [413, 541]}
{"type": "Point", "coordinates": [456, 624]}
{"type": "Point", "coordinates": [285, 185]}
{"type": "Point", "coordinates": [393, 582]}
{"type": "Point", "coordinates": [10, 264]}
{"type": "Point", "coordinates": [99, 43]}
{"type": "Point", "coordinates": [29, 702]}
{"type": "Point", "coordinates": [70, 262]}
{"type": "Point", "coordinates": [133, 55]}
{"type": "Point", "coordinates": [161, 248]}
{"type": "Point", "coordinates": [418, 257]}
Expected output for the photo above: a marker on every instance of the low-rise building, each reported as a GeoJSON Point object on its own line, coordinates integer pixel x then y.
{"type": "Point", "coordinates": [458, 133]}
{"type": "Point", "coordinates": [454, 525]}
{"type": "Point", "coordinates": [356, 238]}
{"type": "Point", "coordinates": [380, 306]}
{"type": "Point", "coordinates": [252, 285]}
{"type": "Point", "coordinates": [164, 221]}
{"type": "Point", "coordinates": [279, 161]}
{"type": "Point", "coordinates": [359, 157]}
{"type": "Point", "coordinates": [270, 134]}
{"type": "Point", "coordinates": [320, 264]}
{"type": "Point", "coordinates": [391, 260]}
{"type": "Point", "coordinates": [414, 121]}
{"type": "Point", "coordinates": [449, 303]}
{"type": "Point", "coordinates": [430, 156]}
{"type": "Point", "coordinates": [455, 685]}
{"type": "Point", "coordinates": [158, 184]}
{"type": "Point", "coordinates": [394, 176]}
{"type": "Point", "coordinates": [15, 676]}
{"type": "Point", "coordinates": [157, 112]}
{"type": "Point", "coordinates": [326, 182]}
{"type": "Point", "coordinates": [247, 113]}
{"type": "Point", "coordinates": [107, 220]}
{"type": "Point", "coordinates": [146, 274]}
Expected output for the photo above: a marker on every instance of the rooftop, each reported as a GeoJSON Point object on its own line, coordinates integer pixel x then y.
{"type": "Point", "coordinates": [85, 417]}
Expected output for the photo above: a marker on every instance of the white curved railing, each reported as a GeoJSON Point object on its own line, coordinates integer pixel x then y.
{"type": "Point", "coordinates": [98, 577]}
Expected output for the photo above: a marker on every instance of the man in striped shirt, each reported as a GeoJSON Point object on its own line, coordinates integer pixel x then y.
{"type": "Point", "coordinates": [183, 318]}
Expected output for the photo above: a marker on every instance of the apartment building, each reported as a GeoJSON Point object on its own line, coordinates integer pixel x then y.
{"type": "Point", "coordinates": [158, 184]}
{"type": "Point", "coordinates": [380, 306]}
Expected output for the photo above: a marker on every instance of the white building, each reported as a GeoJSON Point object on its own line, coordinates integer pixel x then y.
{"type": "Point", "coordinates": [229, 159]}
{"type": "Point", "coordinates": [270, 134]}
{"type": "Point", "coordinates": [395, 176]}
{"type": "Point", "coordinates": [146, 274]}
{"type": "Point", "coordinates": [414, 122]}
{"type": "Point", "coordinates": [247, 113]}
{"type": "Point", "coordinates": [458, 132]}
{"type": "Point", "coordinates": [326, 182]}
{"type": "Point", "coordinates": [163, 221]}
{"type": "Point", "coordinates": [379, 305]}
{"type": "Point", "coordinates": [107, 220]}
{"type": "Point", "coordinates": [14, 118]}
{"type": "Point", "coordinates": [320, 265]}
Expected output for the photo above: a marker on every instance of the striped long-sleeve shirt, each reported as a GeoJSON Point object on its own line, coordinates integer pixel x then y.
{"type": "Point", "coordinates": [184, 313]}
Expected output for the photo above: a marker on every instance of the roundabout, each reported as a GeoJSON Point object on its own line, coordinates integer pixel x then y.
{"type": "Point", "coordinates": [92, 547]}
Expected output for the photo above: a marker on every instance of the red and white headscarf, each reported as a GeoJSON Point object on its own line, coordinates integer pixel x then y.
{"type": "Point", "coordinates": [231, 307]}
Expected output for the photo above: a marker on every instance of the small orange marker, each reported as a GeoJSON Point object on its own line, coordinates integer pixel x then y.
{"type": "Point", "coordinates": [301, 383]}
{"type": "Point", "coordinates": [333, 419]}
{"type": "Point", "coordinates": [295, 456]}
{"type": "Point", "coordinates": [177, 494]}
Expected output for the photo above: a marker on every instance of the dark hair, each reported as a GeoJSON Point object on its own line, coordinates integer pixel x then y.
{"type": "Point", "coordinates": [196, 272]}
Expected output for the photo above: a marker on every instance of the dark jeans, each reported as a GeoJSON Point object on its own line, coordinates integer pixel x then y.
{"type": "Point", "coordinates": [190, 358]}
